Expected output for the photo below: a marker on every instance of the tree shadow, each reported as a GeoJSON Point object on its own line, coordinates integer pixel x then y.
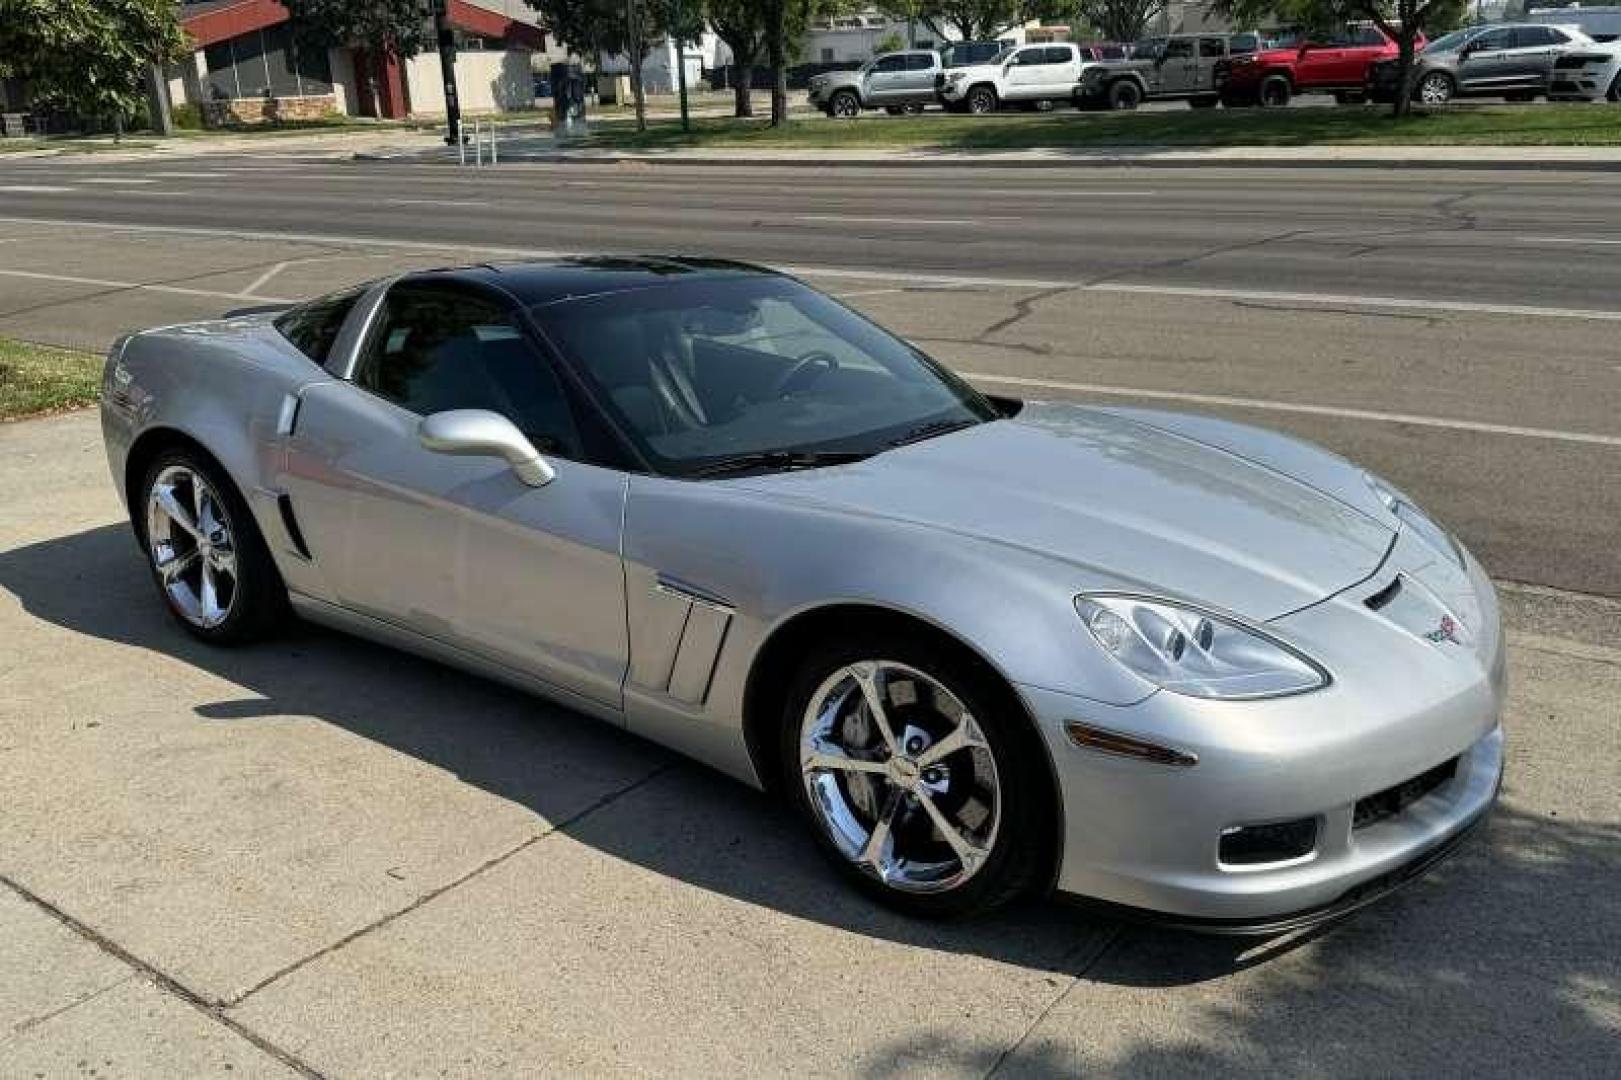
{"type": "Point", "coordinates": [1511, 946]}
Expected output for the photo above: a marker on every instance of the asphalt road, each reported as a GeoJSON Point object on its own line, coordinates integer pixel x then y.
{"type": "Point", "coordinates": [315, 857]}
{"type": "Point", "coordinates": [1458, 331]}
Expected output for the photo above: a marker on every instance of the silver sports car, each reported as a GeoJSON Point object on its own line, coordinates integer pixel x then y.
{"type": "Point", "coordinates": [1171, 664]}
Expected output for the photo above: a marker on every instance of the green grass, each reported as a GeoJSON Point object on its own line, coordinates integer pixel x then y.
{"type": "Point", "coordinates": [38, 379]}
{"type": "Point", "coordinates": [1551, 125]}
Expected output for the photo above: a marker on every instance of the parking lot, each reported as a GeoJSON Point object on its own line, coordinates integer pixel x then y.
{"type": "Point", "coordinates": [320, 857]}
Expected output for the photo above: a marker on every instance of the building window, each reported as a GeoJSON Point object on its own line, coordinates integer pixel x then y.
{"type": "Point", "coordinates": [266, 63]}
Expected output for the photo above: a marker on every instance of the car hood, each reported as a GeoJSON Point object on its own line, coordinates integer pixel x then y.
{"type": "Point", "coordinates": [1129, 505]}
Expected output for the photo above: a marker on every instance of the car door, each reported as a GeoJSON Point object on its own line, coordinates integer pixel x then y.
{"type": "Point", "coordinates": [1024, 73]}
{"type": "Point", "coordinates": [1533, 54]}
{"type": "Point", "coordinates": [1321, 60]}
{"type": "Point", "coordinates": [885, 79]}
{"type": "Point", "coordinates": [1178, 66]}
{"type": "Point", "coordinates": [1061, 71]}
{"type": "Point", "coordinates": [918, 80]}
{"type": "Point", "coordinates": [458, 549]}
{"type": "Point", "coordinates": [1211, 49]}
{"type": "Point", "coordinates": [1485, 65]}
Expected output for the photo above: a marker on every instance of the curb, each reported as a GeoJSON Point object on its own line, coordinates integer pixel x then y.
{"type": "Point", "coordinates": [1113, 161]}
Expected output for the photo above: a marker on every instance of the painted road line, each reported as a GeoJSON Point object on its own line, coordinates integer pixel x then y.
{"type": "Point", "coordinates": [849, 219]}
{"type": "Point", "coordinates": [114, 180]}
{"type": "Point", "coordinates": [212, 175]}
{"type": "Point", "coordinates": [474, 203]}
{"type": "Point", "coordinates": [1398, 303]}
{"type": "Point", "coordinates": [103, 283]}
{"type": "Point", "coordinates": [33, 189]}
{"type": "Point", "coordinates": [1564, 240]}
{"type": "Point", "coordinates": [1262, 404]}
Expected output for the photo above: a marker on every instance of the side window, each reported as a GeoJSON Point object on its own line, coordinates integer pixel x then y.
{"type": "Point", "coordinates": [1060, 54]}
{"type": "Point", "coordinates": [1528, 37]}
{"type": "Point", "coordinates": [1179, 49]}
{"type": "Point", "coordinates": [1370, 35]}
{"type": "Point", "coordinates": [1028, 57]}
{"type": "Point", "coordinates": [1112, 52]}
{"type": "Point", "coordinates": [919, 61]}
{"type": "Point", "coordinates": [434, 348]}
{"type": "Point", "coordinates": [890, 64]}
{"type": "Point", "coordinates": [313, 327]}
{"type": "Point", "coordinates": [1212, 46]}
{"type": "Point", "coordinates": [1244, 43]}
{"type": "Point", "coordinates": [1492, 40]}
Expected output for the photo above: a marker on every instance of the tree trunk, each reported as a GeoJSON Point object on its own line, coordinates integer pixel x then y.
{"type": "Point", "coordinates": [776, 37]}
{"type": "Point", "coordinates": [1403, 105]}
{"type": "Point", "coordinates": [742, 77]}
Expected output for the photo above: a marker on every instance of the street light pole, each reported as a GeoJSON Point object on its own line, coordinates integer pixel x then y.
{"type": "Point", "coordinates": [681, 62]}
{"type": "Point", "coordinates": [447, 70]}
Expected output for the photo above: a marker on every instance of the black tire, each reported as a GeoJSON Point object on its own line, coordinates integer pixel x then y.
{"type": "Point", "coordinates": [844, 105]}
{"type": "Point", "coordinates": [258, 604]}
{"type": "Point", "coordinates": [1022, 856]}
{"type": "Point", "coordinates": [1125, 95]}
{"type": "Point", "coordinates": [1274, 92]}
{"type": "Point", "coordinates": [1615, 88]}
{"type": "Point", "coordinates": [1204, 102]}
{"type": "Point", "coordinates": [982, 100]}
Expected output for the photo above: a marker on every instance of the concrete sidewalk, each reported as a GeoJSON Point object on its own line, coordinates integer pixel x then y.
{"type": "Point", "coordinates": [320, 857]}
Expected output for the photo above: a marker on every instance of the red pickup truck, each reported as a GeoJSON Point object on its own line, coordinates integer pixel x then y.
{"type": "Point", "coordinates": [1334, 63]}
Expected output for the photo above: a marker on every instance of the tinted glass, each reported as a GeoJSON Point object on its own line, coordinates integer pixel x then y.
{"type": "Point", "coordinates": [1493, 39]}
{"type": "Point", "coordinates": [312, 327]}
{"type": "Point", "coordinates": [1111, 52]}
{"type": "Point", "coordinates": [1179, 49]}
{"type": "Point", "coordinates": [919, 61]}
{"type": "Point", "coordinates": [1148, 48]}
{"type": "Point", "coordinates": [1243, 43]}
{"type": "Point", "coordinates": [434, 348]}
{"type": "Point", "coordinates": [707, 370]}
{"type": "Point", "coordinates": [1212, 46]}
{"type": "Point", "coordinates": [890, 63]}
{"type": "Point", "coordinates": [1058, 54]}
{"type": "Point", "coordinates": [1369, 35]}
{"type": "Point", "coordinates": [1028, 57]}
{"type": "Point", "coordinates": [1448, 42]}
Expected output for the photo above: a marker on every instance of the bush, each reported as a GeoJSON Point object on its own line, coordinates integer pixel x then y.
{"type": "Point", "coordinates": [188, 116]}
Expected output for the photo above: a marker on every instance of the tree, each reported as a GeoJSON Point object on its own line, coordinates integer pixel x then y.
{"type": "Point", "coordinates": [739, 25]}
{"type": "Point", "coordinates": [90, 57]}
{"type": "Point", "coordinates": [971, 20]}
{"type": "Point", "coordinates": [1403, 20]}
{"type": "Point", "coordinates": [890, 42]}
{"type": "Point", "coordinates": [386, 29]}
{"type": "Point", "coordinates": [1120, 20]}
{"type": "Point", "coordinates": [627, 27]}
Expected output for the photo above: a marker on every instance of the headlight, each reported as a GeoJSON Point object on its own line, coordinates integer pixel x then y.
{"type": "Point", "coordinates": [1192, 652]}
{"type": "Point", "coordinates": [1423, 526]}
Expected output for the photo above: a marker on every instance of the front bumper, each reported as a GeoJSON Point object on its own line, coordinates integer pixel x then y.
{"type": "Point", "coordinates": [1146, 837]}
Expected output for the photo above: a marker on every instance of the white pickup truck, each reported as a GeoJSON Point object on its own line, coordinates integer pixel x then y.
{"type": "Point", "coordinates": [1035, 76]}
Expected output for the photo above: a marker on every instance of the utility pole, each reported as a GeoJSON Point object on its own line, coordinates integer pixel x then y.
{"type": "Point", "coordinates": [157, 97]}
{"type": "Point", "coordinates": [447, 70]}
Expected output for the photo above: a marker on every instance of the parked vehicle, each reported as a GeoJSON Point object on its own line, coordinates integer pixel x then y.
{"type": "Point", "coordinates": [986, 648]}
{"type": "Point", "coordinates": [1587, 73]}
{"type": "Point", "coordinates": [1181, 67]}
{"type": "Point", "coordinates": [1511, 60]}
{"type": "Point", "coordinates": [896, 82]}
{"type": "Point", "coordinates": [1334, 63]}
{"type": "Point", "coordinates": [1600, 22]}
{"type": "Point", "coordinates": [1035, 76]}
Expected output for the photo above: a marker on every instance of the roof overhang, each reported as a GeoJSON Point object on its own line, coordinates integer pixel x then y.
{"type": "Point", "coordinates": [211, 24]}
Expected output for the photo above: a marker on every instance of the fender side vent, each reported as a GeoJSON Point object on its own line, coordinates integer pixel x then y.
{"type": "Point", "coordinates": [284, 503]}
{"type": "Point", "coordinates": [1384, 595]}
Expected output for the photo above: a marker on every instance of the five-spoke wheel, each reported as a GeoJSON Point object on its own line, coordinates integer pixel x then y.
{"type": "Point", "coordinates": [919, 774]}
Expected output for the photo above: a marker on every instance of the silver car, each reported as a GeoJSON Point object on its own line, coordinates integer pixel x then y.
{"type": "Point", "coordinates": [895, 82]}
{"type": "Point", "coordinates": [1177, 666]}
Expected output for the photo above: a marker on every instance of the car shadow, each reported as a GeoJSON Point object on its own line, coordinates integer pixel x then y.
{"type": "Point", "coordinates": [698, 827]}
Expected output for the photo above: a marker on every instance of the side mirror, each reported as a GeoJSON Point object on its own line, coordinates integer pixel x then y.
{"type": "Point", "coordinates": [480, 433]}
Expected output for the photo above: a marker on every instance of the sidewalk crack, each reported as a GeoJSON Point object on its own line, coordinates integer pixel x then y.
{"type": "Point", "coordinates": [1108, 943]}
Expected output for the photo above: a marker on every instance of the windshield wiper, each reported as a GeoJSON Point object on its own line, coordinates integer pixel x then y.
{"type": "Point", "coordinates": [779, 461]}
{"type": "Point", "coordinates": [931, 429]}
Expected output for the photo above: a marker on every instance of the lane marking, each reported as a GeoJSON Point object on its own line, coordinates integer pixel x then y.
{"type": "Point", "coordinates": [1400, 303]}
{"type": "Point", "coordinates": [214, 175]}
{"type": "Point", "coordinates": [1564, 240]}
{"type": "Point", "coordinates": [1262, 404]}
{"type": "Point", "coordinates": [33, 189]}
{"type": "Point", "coordinates": [864, 292]}
{"type": "Point", "coordinates": [114, 180]}
{"type": "Point", "coordinates": [477, 203]}
{"type": "Point", "coordinates": [851, 219]}
{"type": "Point", "coordinates": [264, 279]}
{"type": "Point", "coordinates": [103, 283]}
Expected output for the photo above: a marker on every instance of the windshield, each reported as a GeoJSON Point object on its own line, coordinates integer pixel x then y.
{"type": "Point", "coordinates": [1148, 49]}
{"type": "Point", "coordinates": [1449, 42]}
{"type": "Point", "coordinates": [700, 372]}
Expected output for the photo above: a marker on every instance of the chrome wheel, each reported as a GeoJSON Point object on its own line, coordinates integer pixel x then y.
{"type": "Point", "coordinates": [900, 776]}
{"type": "Point", "coordinates": [845, 105]}
{"type": "Point", "coordinates": [189, 539]}
{"type": "Point", "coordinates": [1435, 89]}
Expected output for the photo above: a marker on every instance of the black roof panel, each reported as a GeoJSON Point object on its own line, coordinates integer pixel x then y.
{"type": "Point", "coordinates": [546, 281]}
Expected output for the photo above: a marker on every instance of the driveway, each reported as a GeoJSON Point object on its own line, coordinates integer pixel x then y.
{"type": "Point", "coordinates": [321, 857]}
